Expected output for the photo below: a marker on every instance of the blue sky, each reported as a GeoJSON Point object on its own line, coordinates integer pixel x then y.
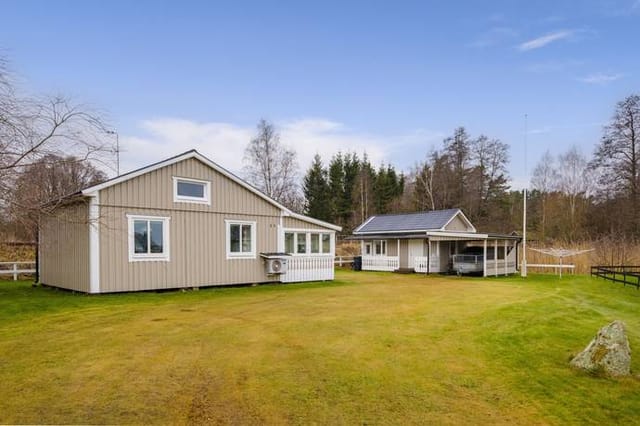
{"type": "Point", "coordinates": [391, 77]}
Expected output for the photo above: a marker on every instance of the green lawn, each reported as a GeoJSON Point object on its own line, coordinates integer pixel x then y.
{"type": "Point", "coordinates": [374, 348]}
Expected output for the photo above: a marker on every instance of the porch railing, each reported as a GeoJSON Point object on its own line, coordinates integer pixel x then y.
{"type": "Point", "coordinates": [309, 268]}
{"type": "Point", "coordinates": [421, 264]}
{"type": "Point", "coordinates": [380, 263]}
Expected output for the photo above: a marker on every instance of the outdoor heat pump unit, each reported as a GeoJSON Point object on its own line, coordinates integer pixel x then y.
{"type": "Point", "coordinates": [275, 263]}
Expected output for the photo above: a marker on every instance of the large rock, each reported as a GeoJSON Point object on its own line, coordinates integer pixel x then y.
{"type": "Point", "coordinates": [608, 352]}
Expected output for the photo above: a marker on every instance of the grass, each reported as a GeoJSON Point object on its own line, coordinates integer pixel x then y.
{"type": "Point", "coordinates": [374, 348]}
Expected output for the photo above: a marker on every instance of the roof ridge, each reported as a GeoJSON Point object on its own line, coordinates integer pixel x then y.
{"type": "Point", "coordinates": [419, 212]}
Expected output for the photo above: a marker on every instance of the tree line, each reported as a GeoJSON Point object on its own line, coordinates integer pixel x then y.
{"type": "Point", "coordinates": [51, 147]}
{"type": "Point", "coordinates": [573, 196]}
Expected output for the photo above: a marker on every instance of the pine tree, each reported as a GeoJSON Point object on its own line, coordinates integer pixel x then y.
{"type": "Point", "coordinates": [316, 191]}
{"type": "Point", "coordinates": [337, 189]}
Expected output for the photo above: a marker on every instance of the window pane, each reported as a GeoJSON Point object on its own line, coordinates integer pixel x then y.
{"type": "Point", "coordinates": [191, 189]}
{"type": "Point", "coordinates": [288, 242]}
{"type": "Point", "coordinates": [234, 238]}
{"type": "Point", "coordinates": [378, 247]}
{"type": "Point", "coordinates": [246, 238]}
{"type": "Point", "coordinates": [326, 243]}
{"type": "Point", "coordinates": [302, 243]}
{"type": "Point", "coordinates": [384, 247]}
{"type": "Point", "coordinates": [140, 236]}
{"type": "Point", "coordinates": [157, 237]}
{"type": "Point", "coordinates": [315, 243]}
{"type": "Point", "coordinates": [367, 249]}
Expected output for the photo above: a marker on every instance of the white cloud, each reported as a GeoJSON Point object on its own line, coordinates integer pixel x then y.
{"type": "Point", "coordinates": [544, 40]}
{"type": "Point", "coordinates": [493, 37]}
{"type": "Point", "coordinates": [601, 78]}
{"type": "Point", "coordinates": [224, 143]}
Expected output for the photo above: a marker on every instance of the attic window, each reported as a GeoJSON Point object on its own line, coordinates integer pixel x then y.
{"type": "Point", "coordinates": [187, 190]}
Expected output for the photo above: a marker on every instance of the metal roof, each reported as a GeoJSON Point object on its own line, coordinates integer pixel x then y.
{"type": "Point", "coordinates": [408, 222]}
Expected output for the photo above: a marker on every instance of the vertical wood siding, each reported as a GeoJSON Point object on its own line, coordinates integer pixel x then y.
{"type": "Point", "coordinates": [197, 232]}
{"type": "Point", "coordinates": [404, 253]}
{"type": "Point", "coordinates": [457, 224]}
{"type": "Point", "coordinates": [392, 247]}
{"type": "Point", "coordinates": [64, 248]}
{"type": "Point", "coordinates": [293, 223]}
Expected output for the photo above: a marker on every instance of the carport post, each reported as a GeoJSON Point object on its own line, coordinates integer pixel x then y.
{"type": "Point", "coordinates": [506, 270]}
{"type": "Point", "coordinates": [484, 260]}
{"type": "Point", "coordinates": [495, 256]}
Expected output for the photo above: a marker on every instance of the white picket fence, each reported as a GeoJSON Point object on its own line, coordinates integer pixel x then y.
{"type": "Point", "coordinates": [308, 268]}
{"type": "Point", "coordinates": [380, 263]}
{"type": "Point", "coordinates": [11, 268]}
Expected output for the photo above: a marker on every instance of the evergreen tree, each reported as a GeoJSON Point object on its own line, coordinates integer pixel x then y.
{"type": "Point", "coordinates": [316, 191]}
{"type": "Point", "coordinates": [337, 189]}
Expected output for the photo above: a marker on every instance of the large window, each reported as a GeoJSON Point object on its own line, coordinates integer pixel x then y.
{"type": "Point", "coordinates": [148, 238]}
{"type": "Point", "coordinates": [191, 191]}
{"type": "Point", "coordinates": [376, 248]}
{"type": "Point", "coordinates": [299, 242]}
{"type": "Point", "coordinates": [241, 239]}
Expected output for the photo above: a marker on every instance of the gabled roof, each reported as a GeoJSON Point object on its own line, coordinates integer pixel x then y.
{"type": "Point", "coordinates": [435, 220]}
{"type": "Point", "coordinates": [93, 190]}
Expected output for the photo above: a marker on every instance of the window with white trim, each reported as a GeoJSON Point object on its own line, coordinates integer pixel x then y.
{"type": "Point", "coordinates": [148, 238]}
{"type": "Point", "coordinates": [376, 248]}
{"type": "Point", "coordinates": [241, 239]}
{"type": "Point", "coordinates": [187, 190]}
{"type": "Point", "coordinates": [289, 242]}
{"type": "Point", "coordinates": [299, 242]}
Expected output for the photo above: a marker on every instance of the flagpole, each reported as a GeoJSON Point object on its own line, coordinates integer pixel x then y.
{"type": "Point", "coordinates": [523, 270]}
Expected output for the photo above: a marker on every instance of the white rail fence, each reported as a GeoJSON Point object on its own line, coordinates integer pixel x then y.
{"type": "Point", "coordinates": [309, 268]}
{"type": "Point", "coordinates": [380, 263]}
{"type": "Point", "coordinates": [343, 260]}
{"type": "Point", "coordinates": [11, 268]}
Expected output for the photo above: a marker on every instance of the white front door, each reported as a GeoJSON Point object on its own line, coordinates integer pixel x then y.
{"type": "Point", "coordinates": [416, 249]}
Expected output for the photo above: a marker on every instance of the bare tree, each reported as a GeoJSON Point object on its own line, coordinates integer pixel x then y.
{"type": "Point", "coordinates": [42, 187]}
{"type": "Point", "coordinates": [574, 182]}
{"type": "Point", "coordinates": [271, 167]}
{"type": "Point", "coordinates": [39, 130]}
{"type": "Point", "coordinates": [618, 155]}
{"type": "Point", "coordinates": [545, 180]}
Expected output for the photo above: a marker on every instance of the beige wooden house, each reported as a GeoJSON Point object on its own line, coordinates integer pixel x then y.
{"type": "Point", "coordinates": [438, 241]}
{"type": "Point", "coordinates": [182, 222]}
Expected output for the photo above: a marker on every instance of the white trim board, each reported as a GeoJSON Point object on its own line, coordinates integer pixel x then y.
{"type": "Point", "coordinates": [94, 244]}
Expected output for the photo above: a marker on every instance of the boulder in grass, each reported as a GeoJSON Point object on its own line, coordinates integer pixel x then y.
{"type": "Point", "coordinates": [608, 352]}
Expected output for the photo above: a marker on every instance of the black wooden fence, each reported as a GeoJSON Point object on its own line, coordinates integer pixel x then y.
{"type": "Point", "coordinates": [620, 274]}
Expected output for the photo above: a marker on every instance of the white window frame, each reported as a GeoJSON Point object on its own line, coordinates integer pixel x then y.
{"type": "Point", "coordinates": [307, 235]}
{"type": "Point", "coordinates": [254, 237]}
{"type": "Point", "coordinates": [195, 200]}
{"type": "Point", "coordinates": [149, 257]}
{"type": "Point", "coordinates": [372, 248]}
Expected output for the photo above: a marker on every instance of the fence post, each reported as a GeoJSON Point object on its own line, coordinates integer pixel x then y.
{"type": "Point", "coordinates": [15, 272]}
